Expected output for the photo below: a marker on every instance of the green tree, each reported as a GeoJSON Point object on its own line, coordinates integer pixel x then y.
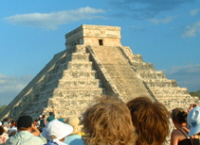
{"type": "Point", "coordinates": [195, 94]}
{"type": "Point", "coordinates": [2, 108]}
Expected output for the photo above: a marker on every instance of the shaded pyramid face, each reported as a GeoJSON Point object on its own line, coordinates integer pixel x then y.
{"type": "Point", "coordinates": [68, 83]}
{"type": "Point", "coordinates": [89, 67]}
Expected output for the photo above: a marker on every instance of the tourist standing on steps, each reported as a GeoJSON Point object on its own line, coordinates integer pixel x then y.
{"type": "Point", "coordinates": [43, 122]}
{"type": "Point", "coordinates": [150, 120]}
{"type": "Point", "coordinates": [179, 136]}
{"type": "Point", "coordinates": [51, 115]}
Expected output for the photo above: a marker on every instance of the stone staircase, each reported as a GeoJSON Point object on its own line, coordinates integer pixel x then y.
{"type": "Point", "coordinates": [70, 87]}
{"type": "Point", "coordinates": [120, 72]}
{"type": "Point", "coordinates": [164, 90]}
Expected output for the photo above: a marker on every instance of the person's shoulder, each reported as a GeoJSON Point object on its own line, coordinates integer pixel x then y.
{"type": "Point", "coordinates": [176, 132]}
{"type": "Point", "coordinates": [74, 140]}
{"type": "Point", "coordinates": [38, 140]}
{"type": "Point", "coordinates": [12, 140]}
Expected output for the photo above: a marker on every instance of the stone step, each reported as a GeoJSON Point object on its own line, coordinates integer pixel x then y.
{"type": "Point", "coordinates": [67, 98]}
{"type": "Point", "coordinates": [70, 84]}
{"type": "Point", "coordinates": [133, 57]}
{"type": "Point", "coordinates": [76, 91]}
{"type": "Point", "coordinates": [78, 83]}
{"type": "Point", "coordinates": [72, 74]}
{"type": "Point", "coordinates": [54, 76]}
{"type": "Point", "coordinates": [69, 92]}
{"type": "Point", "coordinates": [78, 74]}
{"type": "Point", "coordinates": [80, 57]}
{"type": "Point", "coordinates": [160, 83]}
{"type": "Point", "coordinates": [79, 102]}
{"type": "Point", "coordinates": [137, 58]}
{"type": "Point", "coordinates": [173, 89]}
{"type": "Point", "coordinates": [170, 96]}
{"type": "Point", "coordinates": [61, 67]}
{"type": "Point", "coordinates": [80, 49]}
{"type": "Point", "coordinates": [143, 66]}
{"type": "Point", "coordinates": [79, 65]}
{"type": "Point", "coordinates": [161, 94]}
{"type": "Point", "coordinates": [152, 75]}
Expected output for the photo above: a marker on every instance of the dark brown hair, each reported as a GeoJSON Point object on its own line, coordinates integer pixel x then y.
{"type": "Point", "coordinates": [179, 116]}
{"type": "Point", "coordinates": [108, 122]}
{"type": "Point", "coordinates": [150, 120]}
{"type": "Point", "coordinates": [1, 130]}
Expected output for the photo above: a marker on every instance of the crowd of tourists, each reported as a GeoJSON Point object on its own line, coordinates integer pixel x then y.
{"type": "Point", "coordinates": [109, 121]}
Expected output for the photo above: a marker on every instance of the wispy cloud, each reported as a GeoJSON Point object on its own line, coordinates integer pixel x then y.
{"type": "Point", "coordinates": [54, 19]}
{"type": "Point", "coordinates": [186, 76]}
{"type": "Point", "coordinates": [192, 30]}
{"type": "Point", "coordinates": [165, 20]}
{"type": "Point", "coordinates": [194, 12]}
{"type": "Point", "coordinates": [145, 9]}
{"type": "Point", "coordinates": [138, 29]}
{"type": "Point", "coordinates": [10, 86]}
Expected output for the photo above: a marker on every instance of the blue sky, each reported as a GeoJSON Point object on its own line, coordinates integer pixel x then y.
{"type": "Point", "coordinates": [165, 32]}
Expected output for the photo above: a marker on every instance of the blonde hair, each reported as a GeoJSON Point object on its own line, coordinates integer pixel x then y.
{"type": "Point", "coordinates": [150, 119]}
{"type": "Point", "coordinates": [108, 123]}
{"type": "Point", "coordinates": [74, 122]}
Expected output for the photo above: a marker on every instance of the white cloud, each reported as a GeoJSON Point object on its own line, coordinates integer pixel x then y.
{"type": "Point", "coordinates": [54, 19]}
{"type": "Point", "coordinates": [145, 9]}
{"type": "Point", "coordinates": [192, 30]}
{"type": "Point", "coordinates": [165, 20]}
{"type": "Point", "coordinates": [10, 86]}
{"type": "Point", "coordinates": [138, 28]}
{"type": "Point", "coordinates": [186, 76]}
{"type": "Point", "coordinates": [194, 12]}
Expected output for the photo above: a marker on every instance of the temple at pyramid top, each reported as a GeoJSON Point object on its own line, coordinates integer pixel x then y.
{"type": "Point", "coordinates": [94, 35]}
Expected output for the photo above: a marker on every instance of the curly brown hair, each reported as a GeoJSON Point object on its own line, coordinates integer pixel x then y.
{"type": "Point", "coordinates": [150, 120]}
{"type": "Point", "coordinates": [108, 122]}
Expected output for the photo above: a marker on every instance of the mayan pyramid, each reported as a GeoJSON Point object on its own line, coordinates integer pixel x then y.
{"type": "Point", "coordinates": [94, 63]}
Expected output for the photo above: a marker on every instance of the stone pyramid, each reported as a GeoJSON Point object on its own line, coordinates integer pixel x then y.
{"type": "Point", "coordinates": [94, 63]}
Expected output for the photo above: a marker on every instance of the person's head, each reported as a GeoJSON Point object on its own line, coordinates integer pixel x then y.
{"type": "Point", "coordinates": [192, 106]}
{"type": "Point", "coordinates": [43, 116]}
{"type": "Point", "coordinates": [24, 123]}
{"type": "Point", "coordinates": [12, 132]}
{"type": "Point", "coordinates": [193, 119]}
{"type": "Point", "coordinates": [179, 116]}
{"type": "Point", "coordinates": [108, 122]}
{"type": "Point", "coordinates": [74, 122]}
{"type": "Point", "coordinates": [56, 130]}
{"type": "Point", "coordinates": [51, 113]}
{"type": "Point", "coordinates": [150, 120]}
{"type": "Point", "coordinates": [5, 120]}
{"type": "Point", "coordinates": [35, 122]}
{"type": "Point", "coordinates": [1, 130]}
{"type": "Point", "coordinates": [12, 121]}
